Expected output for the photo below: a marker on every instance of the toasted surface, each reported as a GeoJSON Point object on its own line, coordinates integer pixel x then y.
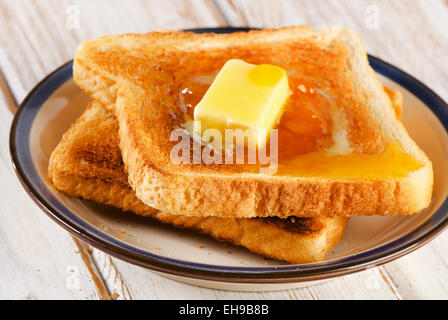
{"type": "Point", "coordinates": [396, 99]}
{"type": "Point", "coordinates": [140, 77]}
{"type": "Point", "coordinates": [87, 164]}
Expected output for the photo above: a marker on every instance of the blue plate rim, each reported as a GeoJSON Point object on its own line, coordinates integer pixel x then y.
{"type": "Point", "coordinates": [287, 273]}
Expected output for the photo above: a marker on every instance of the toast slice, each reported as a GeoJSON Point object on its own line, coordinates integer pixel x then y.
{"type": "Point", "coordinates": [374, 167]}
{"type": "Point", "coordinates": [87, 164]}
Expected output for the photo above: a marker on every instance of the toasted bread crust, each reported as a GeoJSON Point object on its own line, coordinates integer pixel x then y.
{"type": "Point", "coordinates": [142, 69]}
{"type": "Point", "coordinates": [85, 165]}
{"type": "Point", "coordinates": [260, 236]}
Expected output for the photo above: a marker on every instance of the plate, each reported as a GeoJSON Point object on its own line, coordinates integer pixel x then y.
{"type": "Point", "coordinates": [53, 105]}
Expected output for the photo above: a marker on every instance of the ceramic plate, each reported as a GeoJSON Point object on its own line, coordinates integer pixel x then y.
{"type": "Point", "coordinates": [54, 104]}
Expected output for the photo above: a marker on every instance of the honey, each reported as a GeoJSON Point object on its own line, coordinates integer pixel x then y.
{"type": "Point", "coordinates": [304, 132]}
{"type": "Point", "coordinates": [304, 126]}
{"type": "Point", "coordinates": [391, 163]}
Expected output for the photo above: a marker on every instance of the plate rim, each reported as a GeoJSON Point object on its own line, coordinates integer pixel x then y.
{"type": "Point", "coordinates": [280, 274]}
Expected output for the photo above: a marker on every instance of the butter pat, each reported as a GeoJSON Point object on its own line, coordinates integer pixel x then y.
{"type": "Point", "coordinates": [244, 96]}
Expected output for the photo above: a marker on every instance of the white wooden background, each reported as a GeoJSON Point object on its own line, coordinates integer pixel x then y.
{"type": "Point", "coordinates": [36, 37]}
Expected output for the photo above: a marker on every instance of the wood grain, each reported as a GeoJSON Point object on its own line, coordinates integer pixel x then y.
{"type": "Point", "coordinates": [37, 36]}
{"type": "Point", "coordinates": [36, 255]}
{"type": "Point", "coordinates": [146, 285]}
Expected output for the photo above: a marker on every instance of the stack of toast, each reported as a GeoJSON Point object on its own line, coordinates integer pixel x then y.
{"type": "Point", "coordinates": [118, 152]}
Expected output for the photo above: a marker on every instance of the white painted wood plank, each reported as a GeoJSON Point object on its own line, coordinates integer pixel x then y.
{"type": "Point", "coordinates": [423, 273]}
{"type": "Point", "coordinates": [143, 284]}
{"type": "Point", "coordinates": [113, 276]}
{"type": "Point", "coordinates": [36, 36]}
{"type": "Point", "coordinates": [36, 255]}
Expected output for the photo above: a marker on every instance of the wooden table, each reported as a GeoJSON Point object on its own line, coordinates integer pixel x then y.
{"type": "Point", "coordinates": [38, 258]}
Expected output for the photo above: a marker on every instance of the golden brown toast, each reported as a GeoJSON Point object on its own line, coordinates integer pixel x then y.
{"type": "Point", "coordinates": [380, 169]}
{"type": "Point", "coordinates": [87, 164]}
